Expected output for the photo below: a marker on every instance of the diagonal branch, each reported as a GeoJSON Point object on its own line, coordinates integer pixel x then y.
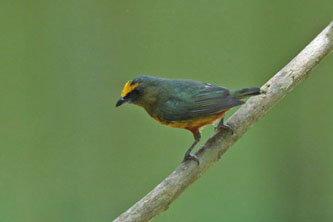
{"type": "Point", "coordinates": [159, 199]}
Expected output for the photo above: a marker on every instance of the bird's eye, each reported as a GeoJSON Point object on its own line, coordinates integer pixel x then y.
{"type": "Point", "coordinates": [133, 94]}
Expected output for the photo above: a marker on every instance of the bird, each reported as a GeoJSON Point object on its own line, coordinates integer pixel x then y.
{"type": "Point", "coordinates": [184, 103]}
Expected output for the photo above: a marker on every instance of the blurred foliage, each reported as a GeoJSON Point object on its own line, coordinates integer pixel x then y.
{"type": "Point", "coordinates": [67, 154]}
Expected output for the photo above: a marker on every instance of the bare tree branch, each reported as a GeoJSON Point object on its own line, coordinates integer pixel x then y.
{"type": "Point", "coordinates": [159, 199]}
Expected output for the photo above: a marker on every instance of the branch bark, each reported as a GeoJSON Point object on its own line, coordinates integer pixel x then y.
{"type": "Point", "coordinates": [159, 199]}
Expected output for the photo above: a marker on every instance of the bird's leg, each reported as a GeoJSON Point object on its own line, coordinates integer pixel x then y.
{"type": "Point", "coordinates": [224, 126]}
{"type": "Point", "coordinates": [188, 155]}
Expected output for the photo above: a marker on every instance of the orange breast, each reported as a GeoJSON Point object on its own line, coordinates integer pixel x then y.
{"type": "Point", "coordinates": [193, 124]}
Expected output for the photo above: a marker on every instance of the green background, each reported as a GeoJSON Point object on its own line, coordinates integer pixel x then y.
{"type": "Point", "coordinates": [67, 154]}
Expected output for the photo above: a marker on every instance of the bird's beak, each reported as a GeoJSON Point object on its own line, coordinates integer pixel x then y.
{"type": "Point", "coordinates": [120, 101]}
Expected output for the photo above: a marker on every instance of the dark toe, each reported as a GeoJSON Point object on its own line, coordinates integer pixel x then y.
{"type": "Point", "coordinates": [224, 127]}
{"type": "Point", "coordinates": [191, 157]}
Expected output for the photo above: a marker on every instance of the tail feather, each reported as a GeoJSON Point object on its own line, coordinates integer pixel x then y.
{"type": "Point", "coordinates": [245, 92]}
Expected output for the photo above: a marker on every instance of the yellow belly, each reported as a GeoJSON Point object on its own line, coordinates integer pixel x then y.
{"type": "Point", "coordinates": [192, 124]}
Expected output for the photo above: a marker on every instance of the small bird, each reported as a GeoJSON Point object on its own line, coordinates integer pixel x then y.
{"type": "Point", "coordinates": [182, 103]}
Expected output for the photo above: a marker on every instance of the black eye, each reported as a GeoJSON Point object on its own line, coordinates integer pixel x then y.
{"type": "Point", "coordinates": [133, 94]}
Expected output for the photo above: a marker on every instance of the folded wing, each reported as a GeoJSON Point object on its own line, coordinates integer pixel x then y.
{"type": "Point", "coordinates": [207, 100]}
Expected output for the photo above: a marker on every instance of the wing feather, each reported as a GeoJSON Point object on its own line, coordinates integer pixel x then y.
{"type": "Point", "coordinates": [205, 101]}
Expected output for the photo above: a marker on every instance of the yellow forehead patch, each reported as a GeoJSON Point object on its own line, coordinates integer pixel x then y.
{"type": "Point", "coordinates": [128, 88]}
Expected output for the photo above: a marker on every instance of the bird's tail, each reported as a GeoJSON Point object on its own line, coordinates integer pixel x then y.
{"type": "Point", "coordinates": [242, 93]}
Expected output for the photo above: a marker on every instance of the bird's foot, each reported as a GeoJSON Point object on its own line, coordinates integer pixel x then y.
{"type": "Point", "coordinates": [224, 127]}
{"type": "Point", "coordinates": [191, 157]}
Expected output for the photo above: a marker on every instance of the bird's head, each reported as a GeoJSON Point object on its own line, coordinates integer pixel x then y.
{"type": "Point", "coordinates": [141, 90]}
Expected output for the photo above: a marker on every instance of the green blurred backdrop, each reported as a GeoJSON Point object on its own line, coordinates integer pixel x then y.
{"type": "Point", "coordinates": [67, 154]}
